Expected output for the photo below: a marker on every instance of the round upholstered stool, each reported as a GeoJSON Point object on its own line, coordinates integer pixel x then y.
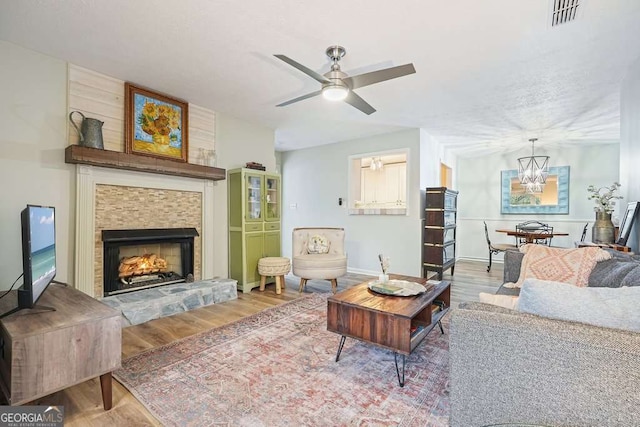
{"type": "Point", "coordinates": [276, 267]}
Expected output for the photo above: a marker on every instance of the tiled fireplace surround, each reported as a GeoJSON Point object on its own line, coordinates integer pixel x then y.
{"type": "Point", "coordinates": [112, 199]}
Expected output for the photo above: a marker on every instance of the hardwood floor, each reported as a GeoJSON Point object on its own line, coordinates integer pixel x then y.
{"type": "Point", "coordinates": [83, 402]}
{"type": "Point", "coordinates": [471, 278]}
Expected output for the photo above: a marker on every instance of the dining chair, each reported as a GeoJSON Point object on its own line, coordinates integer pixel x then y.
{"type": "Point", "coordinates": [537, 227]}
{"type": "Point", "coordinates": [584, 232]}
{"type": "Point", "coordinates": [547, 240]}
{"type": "Point", "coordinates": [496, 248]}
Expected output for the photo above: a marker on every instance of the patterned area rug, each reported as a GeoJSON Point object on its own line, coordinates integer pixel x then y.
{"type": "Point", "coordinates": [277, 368]}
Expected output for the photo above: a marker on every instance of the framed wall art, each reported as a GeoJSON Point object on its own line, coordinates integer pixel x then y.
{"type": "Point", "coordinates": [554, 199]}
{"type": "Point", "coordinates": [155, 124]}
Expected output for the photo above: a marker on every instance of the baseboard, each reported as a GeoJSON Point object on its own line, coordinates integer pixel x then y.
{"type": "Point", "coordinates": [377, 272]}
{"type": "Point", "coordinates": [362, 271]}
{"type": "Point", "coordinates": [469, 258]}
{"type": "Point", "coordinates": [352, 270]}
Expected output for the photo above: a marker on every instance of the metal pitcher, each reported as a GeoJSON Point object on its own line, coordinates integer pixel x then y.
{"type": "Point", "coordinates": [90, 131]}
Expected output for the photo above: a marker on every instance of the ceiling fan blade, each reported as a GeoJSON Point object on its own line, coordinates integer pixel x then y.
{"type": "Point", "coordinates": [300, 98]}
{"type": "Point", "coordinates": [354, 100]}
{"type": "Point", "coordinates": [307, 71]}
{"type": "Point", "coordinates": [366, 79]}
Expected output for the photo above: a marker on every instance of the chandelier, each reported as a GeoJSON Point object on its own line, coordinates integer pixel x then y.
{"type": "Point", "coordinates": [376, 163]}
{"type": "Point", "coordinates": [533, 171]}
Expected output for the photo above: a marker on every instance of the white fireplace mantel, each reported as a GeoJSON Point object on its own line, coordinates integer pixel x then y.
{"type": "Point", "coordinates": [87, 177]}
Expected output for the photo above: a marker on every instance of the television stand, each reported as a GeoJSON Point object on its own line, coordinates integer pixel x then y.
{"type": "Point", "coordinates": [37, 309]}
{"type": "Point", "coordinates": [33, 310]}
{"type": "Point", "coordinates": [42, 352]}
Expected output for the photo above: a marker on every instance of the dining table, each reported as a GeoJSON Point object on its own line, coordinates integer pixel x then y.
{"type": "Point", "coordinates": [530, 236]}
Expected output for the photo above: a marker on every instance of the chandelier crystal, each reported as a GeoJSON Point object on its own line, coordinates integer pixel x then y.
{"type": "Point", "coordinates": [376, 163]}
{"type": "Point", "coordinates": [534, 188]}
{"type": "Point", "coordinates": [533, 171]}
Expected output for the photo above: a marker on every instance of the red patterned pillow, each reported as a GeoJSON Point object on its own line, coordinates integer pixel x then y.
{"type": "Point", "coordinates": [571, 266]}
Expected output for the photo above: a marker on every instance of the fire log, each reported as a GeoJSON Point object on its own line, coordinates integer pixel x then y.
{"type": "Point", "coordinates": [140, 265]}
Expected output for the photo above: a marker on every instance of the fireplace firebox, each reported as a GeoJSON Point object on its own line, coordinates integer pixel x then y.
{"type": "Point", "coordinates": [143, 258]}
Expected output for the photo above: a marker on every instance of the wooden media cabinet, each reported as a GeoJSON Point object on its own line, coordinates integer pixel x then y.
{"type": "Point", "coordinates": [42, 352]}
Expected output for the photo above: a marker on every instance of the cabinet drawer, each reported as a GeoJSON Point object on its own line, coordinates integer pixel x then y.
{"type": "Point", "coordinates": [253, 227]}
{"type": "Point", "coordinates": [272, 226]}
{"type": "Point", "coordinates": [440, 218]}
{"type": "Point", "coordinates": [438, 254]}
{"type": "Point", "coordinates": [449, 201]}
{"type": "Point", "coordinates": [440, 235]}
{"type": "Point", "coordinates": [440, 199]}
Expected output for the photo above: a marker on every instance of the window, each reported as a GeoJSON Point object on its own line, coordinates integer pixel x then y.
{"type": "Point", "coordinates": [378, 183]}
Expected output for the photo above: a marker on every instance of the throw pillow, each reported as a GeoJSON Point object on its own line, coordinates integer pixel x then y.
{"type": "Point", "coordinates": [318, 244]}
{"type": "Point", "coordinates": [571, 266]}
{"type": "Point", "coordinates": [506, 301]}
{"type": "Point", "coordinates": [613, 272]}
{"type": "Point", "coordinates": [608, 307]}
{"type": "Point", "coordinates": [633, 278]}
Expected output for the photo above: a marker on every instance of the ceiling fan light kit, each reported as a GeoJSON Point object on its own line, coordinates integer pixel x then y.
{"type": "Point", "coordinates": [338, 86]}
{"type": "Point", "coordinates": [335, 92]}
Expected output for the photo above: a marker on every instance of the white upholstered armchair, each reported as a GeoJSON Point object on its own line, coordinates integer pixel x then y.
{"type": "Point", "coordinates": [318, 253]}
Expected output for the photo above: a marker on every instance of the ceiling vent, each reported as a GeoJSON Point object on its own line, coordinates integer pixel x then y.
{"type": "Point", "coordinates": [564, 11]}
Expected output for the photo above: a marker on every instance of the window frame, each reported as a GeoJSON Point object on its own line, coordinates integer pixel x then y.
{"type": "Point", "coordinates": [354, 183]}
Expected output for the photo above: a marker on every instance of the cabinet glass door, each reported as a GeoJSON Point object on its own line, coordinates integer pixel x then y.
{"type": "Point", "coordinates": [272, 198]}
{"type": "Point", "coordinates": [254, 198]}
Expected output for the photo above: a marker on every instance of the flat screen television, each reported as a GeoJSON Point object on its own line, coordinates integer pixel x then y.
{"type": "Point", "coordinates": [38, 253]}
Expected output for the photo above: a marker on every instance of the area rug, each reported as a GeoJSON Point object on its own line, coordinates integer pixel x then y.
{"type": "Point", "coordinates": [278, 368]}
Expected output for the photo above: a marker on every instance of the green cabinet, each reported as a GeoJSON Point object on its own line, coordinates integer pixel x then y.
{"type": "Point", "coordinates": [254, 223]}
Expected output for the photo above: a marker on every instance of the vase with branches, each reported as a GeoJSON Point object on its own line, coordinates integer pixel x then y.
{"type": "Point", "coordinates": [604, 197]}
{"type": "Point", "coordinates": [603, 230]}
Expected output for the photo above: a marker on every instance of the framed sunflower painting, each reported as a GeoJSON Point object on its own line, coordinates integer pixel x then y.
{"type": "Point", "coordinates": [155, 124]}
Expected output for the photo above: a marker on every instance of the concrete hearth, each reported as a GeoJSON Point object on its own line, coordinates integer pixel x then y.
{"type": "Point", "coordinates": [148, 304]}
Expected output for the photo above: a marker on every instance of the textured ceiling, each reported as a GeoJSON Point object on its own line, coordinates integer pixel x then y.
{"type": "Point", "coordinates": [490, 74]}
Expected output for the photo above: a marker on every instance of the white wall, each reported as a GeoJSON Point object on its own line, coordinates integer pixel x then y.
{"type": "Point", "coordinates": [630, 144]}
{"type": "Point", "coordinates": [478, 181]}
{"type": "Point", "coordinates": [237, 142]}
{"type": "Point", "coordinates": [432, 154]}
{"type": "Point", "coordinates": [314, 179]}
{"type": "Point", "coordinates": [33, 119]}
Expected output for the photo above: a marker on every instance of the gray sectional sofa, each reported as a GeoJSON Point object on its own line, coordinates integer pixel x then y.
{"type": "Point", "coordinates": [513, 367]}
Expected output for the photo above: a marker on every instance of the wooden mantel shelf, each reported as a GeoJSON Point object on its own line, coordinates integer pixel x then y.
{"type": "Point", "coordinates": [135, 162]}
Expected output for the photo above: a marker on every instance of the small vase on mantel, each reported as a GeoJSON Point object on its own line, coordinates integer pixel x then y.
{"type": "Point", "coordinates": [603, 230]}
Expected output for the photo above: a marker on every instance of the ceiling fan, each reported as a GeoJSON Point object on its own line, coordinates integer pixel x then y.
{"type": "Point", "coordinates": [338, 86]}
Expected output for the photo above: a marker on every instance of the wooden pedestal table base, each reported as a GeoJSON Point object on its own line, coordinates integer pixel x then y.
{"type": "Point", "coordinates": [391, 318]}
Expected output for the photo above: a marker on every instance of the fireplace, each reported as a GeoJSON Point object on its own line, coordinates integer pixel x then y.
{"type": "Point", "coordinates": [143, 258]}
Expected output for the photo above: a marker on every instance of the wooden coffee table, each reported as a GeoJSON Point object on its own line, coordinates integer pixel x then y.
{"type": "Point", "coordinates": [396, 323]}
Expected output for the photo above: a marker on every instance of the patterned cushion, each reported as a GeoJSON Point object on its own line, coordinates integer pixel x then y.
{"type": "Point", "coordinates": [571, 266]}
{"type": "Point", "coordinates": [318, 244]}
